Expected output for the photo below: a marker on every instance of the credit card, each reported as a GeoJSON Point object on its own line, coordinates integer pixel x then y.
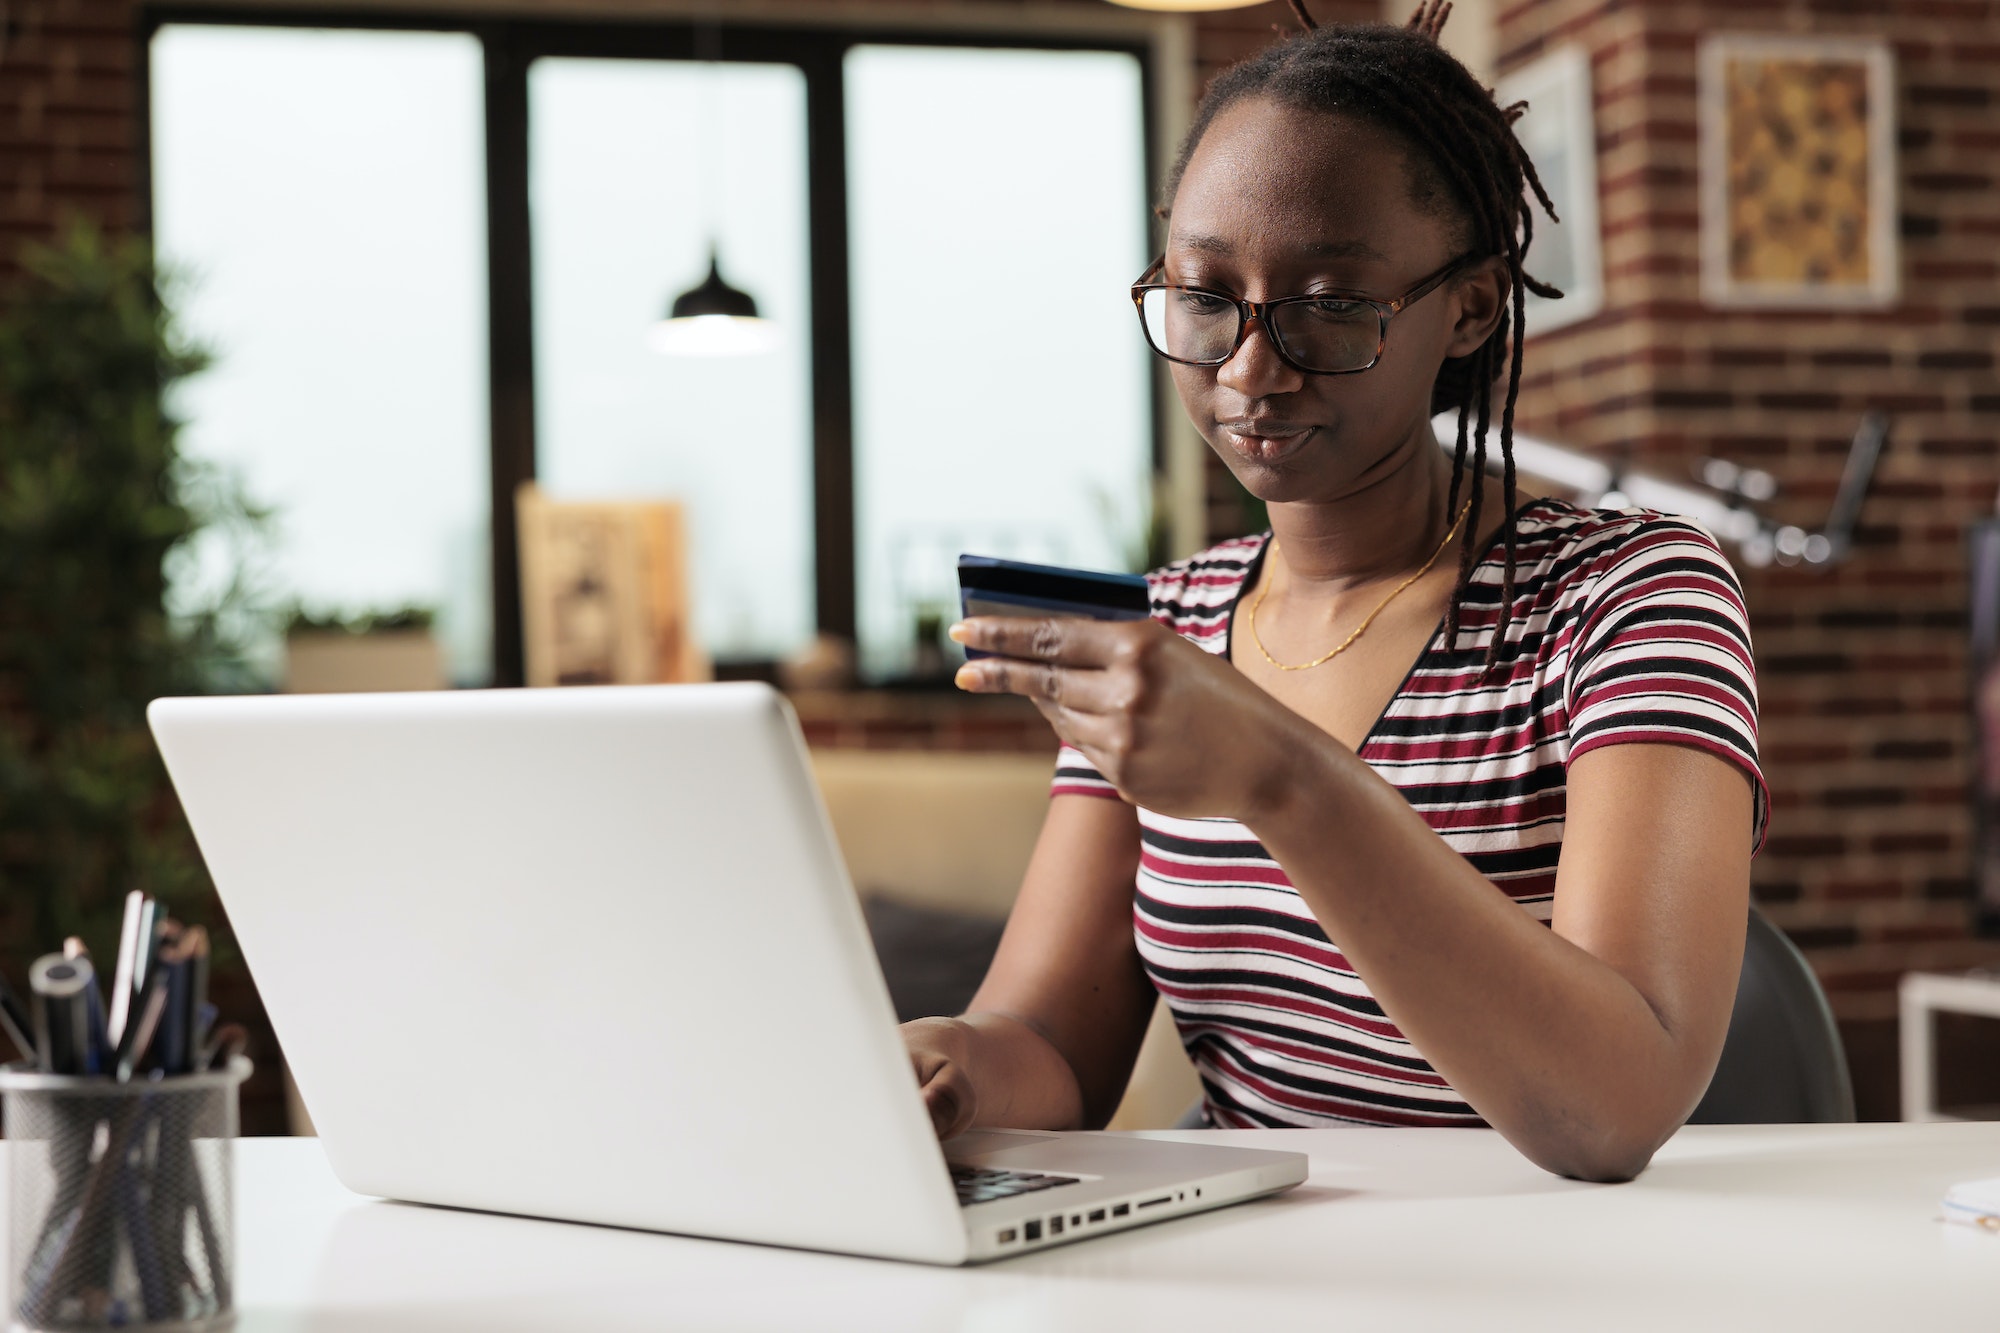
{"type": "Point", "coordinates": [989, 586]}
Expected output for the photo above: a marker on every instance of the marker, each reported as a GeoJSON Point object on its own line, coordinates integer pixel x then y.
{"type": "Point", "coordinates": [62, 1012]}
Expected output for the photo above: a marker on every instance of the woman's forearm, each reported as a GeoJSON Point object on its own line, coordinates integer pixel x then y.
{"type": "Point", "coordinates": [1558, 1050]}
{"type": "Point", "coordinates": [1019, 1078]}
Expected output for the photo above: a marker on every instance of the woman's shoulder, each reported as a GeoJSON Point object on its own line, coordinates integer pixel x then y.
{"type": "Point", "coordinates": [1575, 548]}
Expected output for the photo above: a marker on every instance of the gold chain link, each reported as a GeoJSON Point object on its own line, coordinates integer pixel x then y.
{"type": "Point", "coordinates": [1360, 629]}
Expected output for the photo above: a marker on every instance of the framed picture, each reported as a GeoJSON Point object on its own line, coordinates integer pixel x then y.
{"type": "Point", "coordinates": [604, 592]}
{"type": "Point", "coordinates": [1798, 171]}
{"type": "Point", "coordinates": [1559, 132]}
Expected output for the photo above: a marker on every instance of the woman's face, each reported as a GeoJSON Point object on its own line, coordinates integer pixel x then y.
{"type": "Point", "coordinates": [1279, 201]}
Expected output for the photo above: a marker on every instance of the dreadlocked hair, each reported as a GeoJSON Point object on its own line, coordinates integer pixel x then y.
{"type": "Point", "coordinates": [1463, 155]}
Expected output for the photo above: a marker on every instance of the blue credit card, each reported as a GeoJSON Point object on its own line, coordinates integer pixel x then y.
{"type": "Point", "coordinates": [988, 586]}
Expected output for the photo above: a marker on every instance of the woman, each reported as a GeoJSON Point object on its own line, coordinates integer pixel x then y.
{"type": "Point", "coordinates": [1440, 808]}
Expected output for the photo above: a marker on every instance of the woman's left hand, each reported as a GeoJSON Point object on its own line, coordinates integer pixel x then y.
{"type": "Point", "coordinates": [1173, 728]}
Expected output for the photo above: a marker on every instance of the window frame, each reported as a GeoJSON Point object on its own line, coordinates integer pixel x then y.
{"type": "Point", "coordinates": [511, 43]}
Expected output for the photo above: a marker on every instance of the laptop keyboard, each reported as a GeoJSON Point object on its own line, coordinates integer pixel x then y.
{"type": "Point", "coordinates": [978, 1184]}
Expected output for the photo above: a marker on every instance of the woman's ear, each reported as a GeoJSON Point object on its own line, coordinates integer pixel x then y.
{"type": "Point", "coordinates": [1479, 298]}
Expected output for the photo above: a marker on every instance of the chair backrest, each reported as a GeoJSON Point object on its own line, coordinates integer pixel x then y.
{"type": "Point", "coordinates": [1782, 1062]}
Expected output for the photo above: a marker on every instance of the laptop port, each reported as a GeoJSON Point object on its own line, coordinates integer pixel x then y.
{"type": "Point", "coordinates": [1032, 1231]}
{"type": "Point", "coordinates": [1121, 1210]}
{"type": "Point", "coordinates": [1055, 1226]}
{"type": "Point", "coordinates": [1155, 1203]}
{"type": "Point", "coordinates": [1006, 1236]}
{"type": "Point", "coordinates": [1097, 1214]}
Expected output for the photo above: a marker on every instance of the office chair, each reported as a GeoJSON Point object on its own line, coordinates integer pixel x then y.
{"type": "Point", "coordinates": [1782, 1062]}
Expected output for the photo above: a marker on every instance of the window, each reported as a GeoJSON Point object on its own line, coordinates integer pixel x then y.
{"type": "Point", "coordinates": [637, 167]}
{"type": "Point", "coordinates": [430, 261]}
{"type": "Point", "coordinates": [333, 246]}
{"type": "Point", "coordinates": [997, 216]}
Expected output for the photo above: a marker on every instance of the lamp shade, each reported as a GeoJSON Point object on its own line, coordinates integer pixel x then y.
{"type": "Point", "coordinates": [713, 319]}
{"type": "Point", "coordinates": [713, 297]}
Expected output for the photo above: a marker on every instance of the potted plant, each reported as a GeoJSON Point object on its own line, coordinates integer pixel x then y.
{"type": "Point", "coordinates": [330, 652]}
{"type": "Point", "coordinates": [93, 500]}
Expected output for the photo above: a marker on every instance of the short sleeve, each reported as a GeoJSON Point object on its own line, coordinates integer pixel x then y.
{"type": "Point", "coordinates": [1076, 777]}
{"type": "Point", "coordinates": [1662, 654]}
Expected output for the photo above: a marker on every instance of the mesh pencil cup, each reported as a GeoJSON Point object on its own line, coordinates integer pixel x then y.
{"type": "Point", "coordinates": [120, 1212]}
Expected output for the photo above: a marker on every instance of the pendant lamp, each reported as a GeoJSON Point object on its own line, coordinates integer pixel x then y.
{"type": "Point", "coordinates": [713, 319]}
{"type": "Point", "coordinates": [1186, 6]}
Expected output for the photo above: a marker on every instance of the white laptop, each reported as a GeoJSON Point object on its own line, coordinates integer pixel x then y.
{"type": "Point", "coordinates": [592, 954]}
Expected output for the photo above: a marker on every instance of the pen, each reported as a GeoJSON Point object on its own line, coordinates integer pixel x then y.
{"type": "Point", "coordinates": [62, 1012]}
{"type": "Point", "coordinates": [228, 1041]}
{"type": "Point", "coordinates": [149, 1000]}
{"type": "Point", "coordinates": [139, 1032]}
{"type": "Point", "coordinates": [16, 1021]}
{"type": "Point", "coordinates": [171, 1039]}
{"type": "Point", "coordinates": [152, 916]}
{"type": "Point", "coordinates": [122, 977]}
{"type": "Point", "coordinates": [180, 1036]}
{"type": "Point", "coordinates": [99, 1047]}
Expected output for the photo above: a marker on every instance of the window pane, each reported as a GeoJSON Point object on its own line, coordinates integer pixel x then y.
{"type": "Point", "coordinates": [997, 215]}
{"type": "Point", "coordinates": [635, 169]}
{"type": "Point", "coordinates": [325, 194]}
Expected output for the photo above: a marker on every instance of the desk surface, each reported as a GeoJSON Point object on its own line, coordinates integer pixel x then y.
{"type": "Point", "coordinates": [1819, 1227]}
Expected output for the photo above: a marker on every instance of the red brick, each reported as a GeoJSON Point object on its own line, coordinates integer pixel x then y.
{"type": "Point", "coordinates": [1910, 842]}
{"type": "Point", "coordinates": [1864, 890]}
{"type": "Point", "coordinates": [1979, 270]}
{"type": "Point", "coordinates": [1811, 845]}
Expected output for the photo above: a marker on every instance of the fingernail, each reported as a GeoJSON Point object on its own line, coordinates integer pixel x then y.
{"type": "Point", "coordinates": [965, 677]}
{"type": "Point", "coordinates": [957, 633]}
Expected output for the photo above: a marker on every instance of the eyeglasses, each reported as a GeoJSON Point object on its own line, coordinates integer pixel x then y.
{"type": "Point", "coordinates": [1324, 333]}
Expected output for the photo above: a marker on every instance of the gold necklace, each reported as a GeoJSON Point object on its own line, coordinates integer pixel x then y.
{"type": "Point", "coordinates": [1360, 629]}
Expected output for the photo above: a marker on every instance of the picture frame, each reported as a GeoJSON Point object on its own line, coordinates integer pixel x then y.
{"type": "Point", "coordinates": [1797, 170]}
{"type": "Point", "coordinates": [1559, 132]}
{"type": "Point", "coordinates": [604, 592]}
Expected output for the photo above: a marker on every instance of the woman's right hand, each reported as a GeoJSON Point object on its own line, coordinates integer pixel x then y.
{"type": "Point", "coordinates": [941, 1051]}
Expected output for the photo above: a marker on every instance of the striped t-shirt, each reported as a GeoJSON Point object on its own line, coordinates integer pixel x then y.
{"type": "Point", "coordinates": [1627, 626]}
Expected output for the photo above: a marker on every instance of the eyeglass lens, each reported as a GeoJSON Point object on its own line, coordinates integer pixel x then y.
{"type": "Point", "coordinates": [1331, 335]}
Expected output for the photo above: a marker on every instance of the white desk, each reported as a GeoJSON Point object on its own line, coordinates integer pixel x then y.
{"type": "Point", "coordinates": [1822, 1227]}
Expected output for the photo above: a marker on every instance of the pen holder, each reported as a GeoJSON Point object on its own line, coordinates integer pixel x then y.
{"type": "Point", "coordinates": [121, 1199]}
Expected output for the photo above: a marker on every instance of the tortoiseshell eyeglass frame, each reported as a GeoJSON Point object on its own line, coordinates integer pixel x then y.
{"type": "Point", "coordinates": [1261, 312]}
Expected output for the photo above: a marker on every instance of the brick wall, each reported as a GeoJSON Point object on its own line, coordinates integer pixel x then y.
{"type": "Point", "coordinates": [69, 96]}
{"type": "Point", "coordinates": [1863, 673]}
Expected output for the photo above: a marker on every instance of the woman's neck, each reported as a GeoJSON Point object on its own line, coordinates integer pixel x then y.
{"type": "Point", "coordinates": [1388, 524]}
